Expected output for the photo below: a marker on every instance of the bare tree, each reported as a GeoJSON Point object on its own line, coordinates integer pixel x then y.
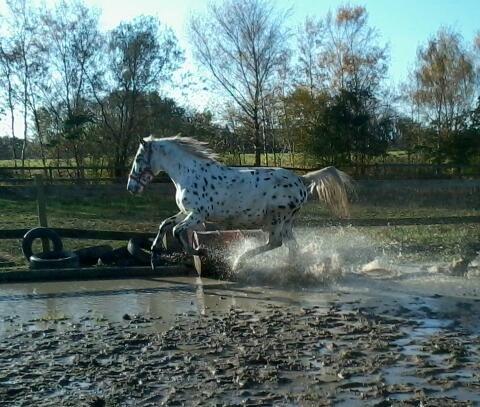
{"type": "Point", "coordinates": [351, 55]}
{"type": "Point", "coordinates": [24, 70]}
{"type": "Point", "coordinates": [140, 56]}
{"type": "Point", "coordinates": [240, 43]}
{"type": "Point", "coordinates": [72, 42]}
{"type": "Point", "coordinates": [444, 82]}
{"type": "Point", "coordinates": [22, 27]}
{"type": "Point", "coordinates": [310, 40]}
{"type": "Point", "coordinates": [7, 66]}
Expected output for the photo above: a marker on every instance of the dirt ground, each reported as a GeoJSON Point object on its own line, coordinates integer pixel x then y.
{"type": "Point", "coordinates": [234, 345]}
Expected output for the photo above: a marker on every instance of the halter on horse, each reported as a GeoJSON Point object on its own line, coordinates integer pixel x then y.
{"type": "Point", "coordinates": [266, 198]}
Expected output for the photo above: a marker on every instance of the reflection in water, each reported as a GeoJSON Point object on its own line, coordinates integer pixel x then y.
{"type": "Point", "coordinates": [334, 262]}
{"type": "Point", "coordinates": [200, 296]}
{"type": "Point", "coordinates": [446, 300]}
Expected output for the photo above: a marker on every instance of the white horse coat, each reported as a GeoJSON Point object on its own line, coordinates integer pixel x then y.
{"type": "Point", "coordinates": [206, 190]}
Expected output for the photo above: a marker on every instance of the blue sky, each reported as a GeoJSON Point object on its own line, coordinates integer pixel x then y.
{"type": "Point", "coordinates": [404, 24]}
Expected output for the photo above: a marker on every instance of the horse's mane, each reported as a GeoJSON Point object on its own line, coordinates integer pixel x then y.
{"type": "Point", "coordinates": [192, 146]}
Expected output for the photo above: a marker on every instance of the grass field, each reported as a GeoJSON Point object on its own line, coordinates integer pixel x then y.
{"type": "Point", "coordinates": [125, 212]}
{"type": "Point", "coordinates": [283, 159]}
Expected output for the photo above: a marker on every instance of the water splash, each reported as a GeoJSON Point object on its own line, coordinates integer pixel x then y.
{"type": "Point", "coordinates": [325, 256]}
{"type": "Point", "coordinates": [328, 255]}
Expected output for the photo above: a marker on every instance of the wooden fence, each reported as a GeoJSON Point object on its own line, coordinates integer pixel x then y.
{"type": "Point", "coordinates": [106, 174]}
{"type": "Point", "coordinates": [125, 235]}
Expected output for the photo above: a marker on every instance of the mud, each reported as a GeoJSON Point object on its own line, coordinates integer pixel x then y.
{"type": "Point", "coordinates": [203, 342]}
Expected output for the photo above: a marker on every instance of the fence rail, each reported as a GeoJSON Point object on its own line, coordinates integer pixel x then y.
{"type": "Point", "coordinates": [124, 235]}
{"type": "Point", "coordinates": [96, 173]}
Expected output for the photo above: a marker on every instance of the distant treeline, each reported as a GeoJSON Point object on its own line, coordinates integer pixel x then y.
{"type": "Point", "coordinates": [318, 90]}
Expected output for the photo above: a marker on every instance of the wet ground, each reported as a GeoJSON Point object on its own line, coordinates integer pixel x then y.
{"type": "Point", "coordinates": [352, 324]}
{"type": "Point", "coordinates": [360, 340]}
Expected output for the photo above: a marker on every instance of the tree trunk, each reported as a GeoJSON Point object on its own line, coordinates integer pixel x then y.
{"type": "Point", "coordinates": [257, 142]}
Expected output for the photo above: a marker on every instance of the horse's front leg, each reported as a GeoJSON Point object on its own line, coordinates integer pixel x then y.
{"type": "Point", "coordinates": [192, 222]}
{"type": "Point", "coordinates": [169, 222]}
{"type": "Point", "coordinates": [157, 245]}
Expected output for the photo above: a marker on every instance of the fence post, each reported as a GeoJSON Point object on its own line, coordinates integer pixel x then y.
{"type": "Point", "coordinates": [42, 208]}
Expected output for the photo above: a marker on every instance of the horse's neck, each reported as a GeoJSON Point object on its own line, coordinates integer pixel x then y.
{"type": "Point", "coordinates": [182, 169]}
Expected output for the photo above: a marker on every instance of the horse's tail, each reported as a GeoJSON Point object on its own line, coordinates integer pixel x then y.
{"type": "Point", "coordinates": [333, 187]}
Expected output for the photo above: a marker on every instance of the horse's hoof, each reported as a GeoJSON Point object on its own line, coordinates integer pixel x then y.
{"type": "Point", "coordinates": [154, 259]}
{"type": "Point", "coordinates": [196, 252]}
{"type": "Point", "coordinates": [201, 252]}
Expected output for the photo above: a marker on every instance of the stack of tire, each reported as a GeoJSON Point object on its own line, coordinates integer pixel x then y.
{"type": "Point", "coordinates": [58, 258]}
{"type": "Point", "coordinates": [134, 254]}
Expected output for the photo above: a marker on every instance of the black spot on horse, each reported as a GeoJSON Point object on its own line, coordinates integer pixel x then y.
{"type": "Point", "coordinates": [291, 205]}
{"type": "Point", "coordinates": [281, 206]}
{"type": "Point", "coordinates": [195, 193]}
{"type": "Point", "coordinates": [274, 196]}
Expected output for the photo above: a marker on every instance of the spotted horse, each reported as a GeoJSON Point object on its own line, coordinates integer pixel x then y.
{"type": "Point", "coordinates": [208, 191]}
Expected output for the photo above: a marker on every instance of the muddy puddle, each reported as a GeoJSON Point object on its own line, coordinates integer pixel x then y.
{"type": "Point", "coordinates": [339, 330]}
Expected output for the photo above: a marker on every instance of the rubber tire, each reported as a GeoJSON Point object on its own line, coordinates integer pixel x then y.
{"type": "Point", "coordinates": [136, 247]}
{"type": "Point", "coordinates": [117, 256]}
{"type": "Point", "coordinates": [54, 260]}
{"type": "Point", "coordinates": [89, 256]}
{"type": "Point", "coordinates": [38, 233]}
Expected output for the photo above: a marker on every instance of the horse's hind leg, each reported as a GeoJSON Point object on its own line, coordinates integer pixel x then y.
{"type": "Point", "coordinates": [274, 241]}
{"type": "Point", "coordinates": [290, 241]}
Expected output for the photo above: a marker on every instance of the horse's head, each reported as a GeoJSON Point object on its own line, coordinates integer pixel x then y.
{"type": "Point", "coordinates": [142, 172]}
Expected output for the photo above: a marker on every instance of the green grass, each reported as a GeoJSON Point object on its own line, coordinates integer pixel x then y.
{"type": "Point", "coordinates": [125, 212]}
{"type": "Point", "coordinates": [282, 159]}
